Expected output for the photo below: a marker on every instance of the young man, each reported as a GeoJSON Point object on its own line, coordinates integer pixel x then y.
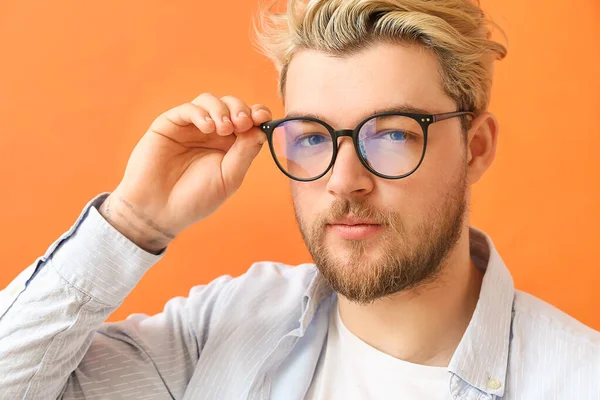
{"type": "Point", "coordinates": [386, 130]}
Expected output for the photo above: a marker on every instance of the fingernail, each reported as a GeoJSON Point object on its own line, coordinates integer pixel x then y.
{"type": "Point", "coordinates": [242, 114]}
{"type": "Point", "coordinates": [226, 119]}
{"type": "Point", "coordinates": [208, 118]}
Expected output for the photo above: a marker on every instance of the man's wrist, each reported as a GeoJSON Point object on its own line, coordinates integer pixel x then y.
{"type": "Point", "coordinates": [123, 218]}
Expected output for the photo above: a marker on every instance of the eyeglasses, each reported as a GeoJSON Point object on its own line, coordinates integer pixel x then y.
{"type": "Point", "coordinates": [390, 145]}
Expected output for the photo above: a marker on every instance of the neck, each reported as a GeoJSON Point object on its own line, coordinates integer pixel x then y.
{"type": "Point", "coordinates": [424, 325]}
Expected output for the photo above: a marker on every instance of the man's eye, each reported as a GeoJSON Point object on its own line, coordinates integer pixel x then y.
{"type": "Point", "coordinates": [395, 135]}
{"type": "Point", "coordinates": [311, 140]}
{"type": "Point", "coordinates": [398, 135]}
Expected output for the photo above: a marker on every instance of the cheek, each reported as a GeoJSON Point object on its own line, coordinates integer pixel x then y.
{"type": "Point", "coordinates": [405, 197]}
{"type": "Point", "coordinates": [436, 179]}
{"type": "Point", "coordinates": [445, 151]}
{"type": "Point", "coordinates": [443, 163]}
{"type": "Point", "coordinates": [305, 196]}
{"type": "Point", "coordinates": [415, 198]}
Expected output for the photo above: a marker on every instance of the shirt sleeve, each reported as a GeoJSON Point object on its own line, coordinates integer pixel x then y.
{"type": "Point", "coordinates": [53, 339]}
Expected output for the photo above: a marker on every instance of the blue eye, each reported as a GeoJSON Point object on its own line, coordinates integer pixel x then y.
{"type": "Point", "coordinates": [311, 140]}
{"type": "Point", "coordinates": [396, 135]}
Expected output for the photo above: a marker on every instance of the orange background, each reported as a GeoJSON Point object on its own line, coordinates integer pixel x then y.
{"type": "Point", "coordinates": [80, 82]}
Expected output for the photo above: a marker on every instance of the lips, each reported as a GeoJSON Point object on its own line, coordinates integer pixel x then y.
{"type": "Point", "coordinates": [349, 220]}
{"type": "Point", "coordinates": [353, 228]}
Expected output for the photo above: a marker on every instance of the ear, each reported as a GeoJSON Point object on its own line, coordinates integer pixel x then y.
{"type": "Point", "coordinates": [482, 140]}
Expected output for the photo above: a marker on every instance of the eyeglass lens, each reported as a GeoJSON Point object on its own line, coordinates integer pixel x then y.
{"type": "Point", "coordinates": [390, 145]}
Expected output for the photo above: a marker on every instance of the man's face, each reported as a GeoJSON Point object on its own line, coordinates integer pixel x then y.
{"type": "Point", "coordinates": [403, 229]}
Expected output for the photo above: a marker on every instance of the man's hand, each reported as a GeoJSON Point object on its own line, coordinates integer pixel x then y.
{"type": "Point", "coordinates": [190, 161]}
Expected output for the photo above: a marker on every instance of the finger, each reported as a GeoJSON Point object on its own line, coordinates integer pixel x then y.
{"type": "Point", "coordinates": [202, 120]}
{"type": "Point", "coordinates": [218, 111]}
{"type": "Point", "coordinates": [261, 114]}
{"type": "Point", "coordinates": [240, 113]}
{"type": "Point", "coordinates": [181, 116]}
{"type": "Point", "coordinates": [239, 157]}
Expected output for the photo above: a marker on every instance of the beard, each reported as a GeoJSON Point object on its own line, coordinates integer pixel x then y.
{"type": "Point", "coordinates": [406, 260]}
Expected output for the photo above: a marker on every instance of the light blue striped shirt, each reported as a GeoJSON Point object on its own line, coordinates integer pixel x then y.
{"type": "Point", "coordinates": [257, 336]}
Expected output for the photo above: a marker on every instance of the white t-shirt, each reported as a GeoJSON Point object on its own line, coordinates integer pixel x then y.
{"type": "Point", "coordinates": [351, 369]}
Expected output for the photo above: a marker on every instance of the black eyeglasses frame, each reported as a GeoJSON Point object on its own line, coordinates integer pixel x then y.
{"type": "Point", "coordinates": [424, 120]}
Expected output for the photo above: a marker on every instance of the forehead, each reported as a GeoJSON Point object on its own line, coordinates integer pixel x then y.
{"type": "Point", "coordinates": [344, 90]}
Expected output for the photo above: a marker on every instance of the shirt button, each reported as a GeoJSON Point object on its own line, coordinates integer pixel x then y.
{"type": "Point", "coordinates": [493, 383]}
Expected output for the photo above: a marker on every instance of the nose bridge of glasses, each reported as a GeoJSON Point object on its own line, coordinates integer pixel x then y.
{"type": "Point", "coordinates": [337, 134]}
{"type": "Point", "coordinates": [342, 132]}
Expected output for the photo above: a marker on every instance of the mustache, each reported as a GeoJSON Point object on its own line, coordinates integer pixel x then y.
{"type": "Point", "coordinates": [359, 209]}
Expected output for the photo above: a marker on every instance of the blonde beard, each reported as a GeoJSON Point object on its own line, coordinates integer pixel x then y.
{"type": "Point", "coordinates": [406, 259]}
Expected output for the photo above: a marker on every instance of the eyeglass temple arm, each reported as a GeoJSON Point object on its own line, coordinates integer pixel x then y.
{"type": "Point", "coordinates": [441, 117]}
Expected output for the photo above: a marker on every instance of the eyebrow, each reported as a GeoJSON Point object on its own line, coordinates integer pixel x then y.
{"type": "Point", "coordinates": [392, 109]}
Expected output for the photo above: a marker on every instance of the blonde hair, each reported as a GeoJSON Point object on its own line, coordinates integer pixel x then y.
{"type": "Point", "coordinates": [455, 30]}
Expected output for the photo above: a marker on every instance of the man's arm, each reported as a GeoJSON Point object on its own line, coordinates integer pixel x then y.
{"type": "Point", "coordinates": [53, 343]}
{"type": "Point", "coordinates": [192, 158]}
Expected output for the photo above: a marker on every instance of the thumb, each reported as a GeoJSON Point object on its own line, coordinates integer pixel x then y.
{"type": "Point", "coordinates": [239, 157]}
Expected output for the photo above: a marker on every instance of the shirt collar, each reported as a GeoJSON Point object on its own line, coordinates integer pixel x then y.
{"type": "Point", "coordinates": [316, 291]}
{"type": "Point", "coordinates": [481, 358]}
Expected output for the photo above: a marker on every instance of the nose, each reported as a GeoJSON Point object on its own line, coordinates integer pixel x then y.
{"type": "Point", "coordinates": [348, 177]}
